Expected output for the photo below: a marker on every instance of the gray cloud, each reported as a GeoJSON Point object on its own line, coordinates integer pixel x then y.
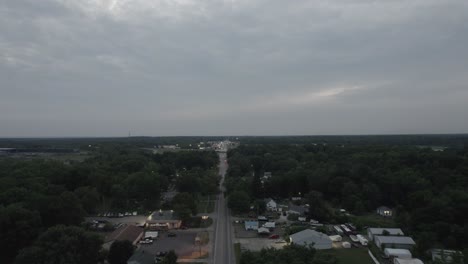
{"type": "Point", "coordinates": [183, 67]}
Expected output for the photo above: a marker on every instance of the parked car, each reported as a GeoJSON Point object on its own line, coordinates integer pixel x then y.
{"type": "Point", "coordinates": [171, 234]}
{"type": "Point", "coordinates": [161, 254]}
{"type": "Point", "coordinates": [183, 227]}
{"type": "Point", "coordinates": [274, 236]}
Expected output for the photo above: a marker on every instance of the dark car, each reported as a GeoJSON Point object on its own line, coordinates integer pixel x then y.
{"type": "Point", "coordinates": [171, 234]}
{"type": "Point", "coordinates": [161, 254]}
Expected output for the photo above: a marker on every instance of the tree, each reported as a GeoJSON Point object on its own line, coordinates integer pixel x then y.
{"type": "Point", "coordinates": [120, 252]}
{"type": "Point", "coordinates": [171, 258]}
{"type": "Point", "coordinates": [239, 201]}
{"type": "Point", "coordinates": [63, 245]}
{"type": "Point", "coordinates": [18, 227]}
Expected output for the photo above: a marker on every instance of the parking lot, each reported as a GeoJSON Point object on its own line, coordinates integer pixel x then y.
{"type": "Point", "coordinates": [183, 244]}
{"type": "Point", "coordinates": [138, 219]}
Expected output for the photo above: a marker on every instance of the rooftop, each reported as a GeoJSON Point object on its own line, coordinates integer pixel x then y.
{"type": "Point", "coordinates": [162, 215]}
{"type": "Point", "coordinates": [309, 236]}
{"type": "Point", "coordinates": [391, 231]}
{"type": "Point", "coordinates": [396, 240]}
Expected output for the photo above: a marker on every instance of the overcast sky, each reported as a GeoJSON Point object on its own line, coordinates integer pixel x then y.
{"type": "Point", "coordinates": [232, 67]}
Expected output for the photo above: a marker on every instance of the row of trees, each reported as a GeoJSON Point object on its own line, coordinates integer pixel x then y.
{"type": "Point", "coordinates": [36, 195]}
{"type": "Point", "coordinates": [427, 188]}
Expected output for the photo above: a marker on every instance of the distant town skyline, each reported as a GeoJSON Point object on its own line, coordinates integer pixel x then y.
{"type": "Point", "coordinates": [102, 68]}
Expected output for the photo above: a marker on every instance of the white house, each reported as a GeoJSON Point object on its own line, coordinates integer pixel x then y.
{"type": "Point", "coordinates": [371, 232]}
{"type": "Point", "coordinates": [385, 211]}
{"type": "Point", "coordinates": [271, 205]}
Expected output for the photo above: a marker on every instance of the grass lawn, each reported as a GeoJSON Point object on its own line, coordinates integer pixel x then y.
{"type": "Point", "coordinates": [373, 220]}
{"type": "Point", "coordinates": [237, 252]}
{"type": "Point", "coordinates": [352, 256]}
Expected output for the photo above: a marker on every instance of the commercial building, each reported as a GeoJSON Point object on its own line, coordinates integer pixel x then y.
{"type": "Point", "coordinates": [310, 237]}
{"type": "Point", "coordinates": [163, 220]}
{"type": "Point", "coordinates": [394, 242]}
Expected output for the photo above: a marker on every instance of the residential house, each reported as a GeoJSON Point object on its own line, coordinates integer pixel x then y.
{"type": "Point", "coordinates": [310, 237]}
{"type": "Point", "coordinates": [163, 220]}
{"type": "Point", "coordinates": [263, 231]}
{"type": "Point", "coordinates": [394, 242]}
{"type": "Point", "coordinates": [251, 225]}
{"type": "Point", "coordinates": [297, 209]}
{"type": "Point", "coordinates": [271, 205]}
{"type": "Point", "coordinates": [385, 211]}
{"type": "Point", "coordinates": [371, 232]}
{"type": "Point", "coordinates": [126, 232]}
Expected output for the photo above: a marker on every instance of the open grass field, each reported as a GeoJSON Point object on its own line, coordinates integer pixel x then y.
{"type": "Point", "coordinates": [373, 220]}
{"type": "Point", "coordinates": [352, 256]}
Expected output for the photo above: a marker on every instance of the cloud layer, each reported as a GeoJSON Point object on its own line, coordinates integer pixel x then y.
{"type": "Point", "coordinates": [221, 67]}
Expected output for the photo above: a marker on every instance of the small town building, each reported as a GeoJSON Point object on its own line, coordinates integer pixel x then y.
{"type": "Point", "coordinates": [141, 257]}
{"type": "Point", "coordinates": [271, 205]}
{"type": "Point", "coordinates": [311, 237]}
{"type": "Point", "coordinates": [163, 220]}
{"type": "Point", "coordinates": [151, 234]}
{"type": "Point", "coordinates": [446, 255]}
{"type": "Point", "coordinates": [385, 211]}
{"type": "Point", "coordinates": [263, 231]}
{"type": "Point", "coordinates": [371, 232]}
{"type": "Point", "coordinates": [251, 225]}
{"type": "Point", "coordinates": [336, 238]}
{"type": "Point", "coordinates": [297, 209]}
{"type": "Point", "coordinates": [394, 242]}
{"type": "Point", "coordinates": [269, 225]}
{"type": "Point", "coordinates": [397, 253]}
{"type": "Point", "coordinates": [126, 232]}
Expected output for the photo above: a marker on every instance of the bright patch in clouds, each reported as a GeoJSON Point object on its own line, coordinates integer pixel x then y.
{"type": "Point", "coordinates": [182, 67]}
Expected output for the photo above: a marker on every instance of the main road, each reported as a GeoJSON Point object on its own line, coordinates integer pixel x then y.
{"type": "Point", "coordinates": [223, 243]}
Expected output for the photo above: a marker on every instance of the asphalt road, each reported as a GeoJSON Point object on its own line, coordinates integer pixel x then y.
{"type": "Point", "coordinates": [223, 244]}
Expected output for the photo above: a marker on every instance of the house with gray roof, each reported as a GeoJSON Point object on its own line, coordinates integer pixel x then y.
{"type": "Point", "coordinates": [371, 232]}
{"type": "Point", "coordinates": [394, 242]}
{"type": "Point", "coordinates": [311, 237]}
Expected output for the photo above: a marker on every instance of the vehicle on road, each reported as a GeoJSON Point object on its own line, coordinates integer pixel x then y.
{"type": "Point", "coordinates": [171, 234]}
{"type": "Point", "coordinates": [274, 236]}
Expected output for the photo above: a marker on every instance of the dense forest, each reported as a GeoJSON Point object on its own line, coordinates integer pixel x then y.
{"type": "Point", "coordinates": [428, 189]}
{"type": "Point", "coordinates": [43, 198]}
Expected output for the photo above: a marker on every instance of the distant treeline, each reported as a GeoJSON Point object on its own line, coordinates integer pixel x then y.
{"type": "Point", "coordinates": [446, 140]}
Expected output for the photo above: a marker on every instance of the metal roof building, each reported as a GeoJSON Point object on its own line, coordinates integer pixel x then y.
{"type": "Point", "coordinates": [310, 237]}
{"type": "Point", "coordinates": [394, 242]}
{"type": "Point", "coordinates": [371, 232]}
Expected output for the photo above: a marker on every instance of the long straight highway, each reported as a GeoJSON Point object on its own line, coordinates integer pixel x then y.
{"type": "Point", "coordinates": [223, 243]}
